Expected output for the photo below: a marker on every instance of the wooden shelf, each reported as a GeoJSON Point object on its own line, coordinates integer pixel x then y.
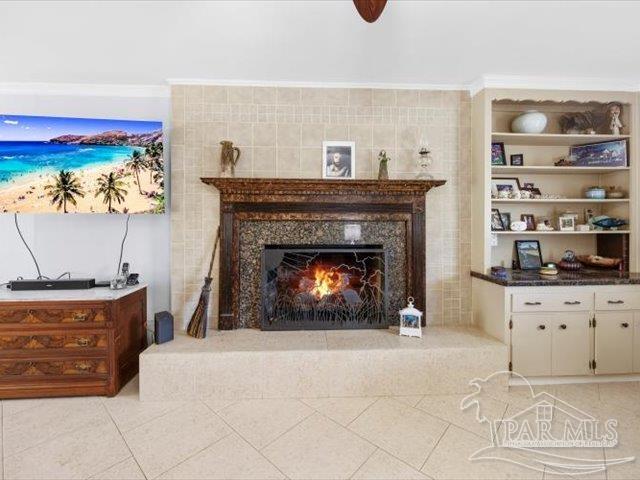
{"type": "Point", "coordinates": [559, 170]}
{"type": "Point", "coordinates": [558, 200]}
{"type": "Point", "coordinates": [559, 232]}
{"type": "Point", "coordinates": [552, 139]}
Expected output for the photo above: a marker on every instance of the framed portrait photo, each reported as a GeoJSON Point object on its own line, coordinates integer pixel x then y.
{"type": "Point", "coordinates": [529, 219]}
{"type": "Point", "coordinates": [339, 160]}
{"type": "Point", "coordinates": [517, 160]}
{"type": "Point", "coordinates": [496, 221]}
{"type": "Point", "coordinates": [504, 187]}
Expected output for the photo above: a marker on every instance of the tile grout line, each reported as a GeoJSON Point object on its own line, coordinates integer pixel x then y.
{"type": "Point", "coordinates": [363, 463]}
{"type": "Point", "coordinates": [434, 448]}
{"type": "Point", "coordinates": [125, 442]}
{"type": "Point", "coordinates": [248, 442]}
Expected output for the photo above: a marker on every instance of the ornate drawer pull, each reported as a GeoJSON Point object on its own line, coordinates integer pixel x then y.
{"type": "Point", "coordinates": [563, 327]}
{"type": "Point", "coordinates": [79, 317]}
{"type": "Point", "coordinates": [83, 342]}
{"type": "Point", "coordinates": [615, 302]}
{"type": "Point", "coordinates": [532, 303]}
{"type": "Point", "coordinates": [541, 327]}
{"type": "Point", "coordinates": [575, 302]}
{"type": "Point", "coordinates": [83, 366]}
{"type": "Point", "coordinates": [624, 325]}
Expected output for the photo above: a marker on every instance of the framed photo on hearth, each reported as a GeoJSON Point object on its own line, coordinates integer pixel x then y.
{"type": "Point", "coordinates": [339, 160]}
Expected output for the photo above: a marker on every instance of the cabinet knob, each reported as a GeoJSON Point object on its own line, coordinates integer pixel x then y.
{"type": "Point", "coordinates": [541, 327]}
{"type": "Point", "coordinates": [532, 303]}
{"type": "Point", "coordinates": [79, 317]}
{"type": "Point", "coordinates": [576, 302]}
{"type": "Point", "coordinates": [83, 342]}
{"type": "Point", "coordinates": [563, 327]}
{"type": "Point", "coordinates": [624, 325]}
{"type": "Point", "coordinates": [615, 302]}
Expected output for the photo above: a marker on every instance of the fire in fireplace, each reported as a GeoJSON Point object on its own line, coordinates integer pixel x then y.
{"type": "Point", "coordinates": [318, 287]}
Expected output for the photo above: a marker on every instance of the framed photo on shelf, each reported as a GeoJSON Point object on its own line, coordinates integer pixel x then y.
{"type": "Point", "coordinates": [498, 157]}
{"type": "Point", "coordinates": [566, 223]}
{"type": "Point", "coordinates": [604, 154]}
{"type": "Point", "coordinates": [504, 187]}
{"type": "Point", "coordinates": [529, 219]}
{"type": "Point", "coordinates": [339, 160]}
{"type": "Point", "coordinates": [496, 221]}
{"type": "Point", "coordinates": [517, 160]}
{"type": "Point", "coordinates": [506, 220]}
{"type": "Point", "coordinates": [528, 254]}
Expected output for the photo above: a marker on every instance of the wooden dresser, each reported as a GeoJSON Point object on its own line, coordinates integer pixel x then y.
{"type": "Point", "coordinates": [81, 342]}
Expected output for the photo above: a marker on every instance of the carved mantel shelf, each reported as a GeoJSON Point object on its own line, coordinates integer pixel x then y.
{"type": "Point", "coordinates": [270, 199]}
{"type": "Point", "coordinates": [286, 186]}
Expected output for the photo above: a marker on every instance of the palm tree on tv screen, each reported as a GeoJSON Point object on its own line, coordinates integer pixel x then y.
{"type": "Point", "coordinates": [65, 188]}
{"type": "Point", "coordinates": [111, 187]}
{"type": "Point", "coordinates": [137, 164]}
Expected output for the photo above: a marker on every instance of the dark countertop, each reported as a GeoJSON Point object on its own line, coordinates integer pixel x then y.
{"type": "Point", "coordinates": [517, 278]}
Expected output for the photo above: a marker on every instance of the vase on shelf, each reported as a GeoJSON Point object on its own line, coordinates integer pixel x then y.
{"type": "Point", "coordinates": [530, 121]}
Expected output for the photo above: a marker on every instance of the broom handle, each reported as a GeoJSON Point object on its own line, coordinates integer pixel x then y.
{"type": "Point", "coordinates": [215, 248]}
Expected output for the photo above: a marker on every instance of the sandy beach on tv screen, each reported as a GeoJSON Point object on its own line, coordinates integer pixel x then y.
{"type": "Point", "coordinates": [26, 194]}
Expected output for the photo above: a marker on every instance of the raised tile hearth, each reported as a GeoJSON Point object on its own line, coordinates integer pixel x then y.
{"type": "Point", "coordinates": [248, 363]}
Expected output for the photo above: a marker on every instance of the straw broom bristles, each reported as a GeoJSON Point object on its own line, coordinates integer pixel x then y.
{"type": "Point", "coordinates": [198, 325]}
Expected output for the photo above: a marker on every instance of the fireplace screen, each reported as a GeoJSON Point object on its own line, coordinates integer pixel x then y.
{"type": "Point", "coordinates": [323, 287]}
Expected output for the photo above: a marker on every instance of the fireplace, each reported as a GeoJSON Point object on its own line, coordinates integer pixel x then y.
{"type": "Point", "coordinates": [323, 287]}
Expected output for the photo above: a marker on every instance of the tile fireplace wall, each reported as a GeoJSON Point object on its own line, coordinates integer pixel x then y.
{"type": "Point", "coordinates": [280, 133]}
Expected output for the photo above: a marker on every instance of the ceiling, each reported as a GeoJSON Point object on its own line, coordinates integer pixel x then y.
{"type": "Point", "coordinates": [413, 42]}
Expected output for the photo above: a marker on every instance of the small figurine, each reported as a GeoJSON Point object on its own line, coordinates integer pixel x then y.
{"type": "Point", "coordinates": [383, 172]}
{"type": "Point", "coordinates": [615, 109]}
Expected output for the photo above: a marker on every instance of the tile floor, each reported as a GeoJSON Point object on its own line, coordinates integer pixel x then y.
{"type": "Point", "coordinates": [412, 437]}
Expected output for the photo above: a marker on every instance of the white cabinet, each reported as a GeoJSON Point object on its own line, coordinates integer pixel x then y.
{"type": "Point", "coordinates": [570, 344]}
{"type": "Point", "coordinates": [550, 344]}
{"type": "Point", "coordinates": [636, 342]}
{"type": "Point", "coordinates": [614, 342]}
{"type": "Point", "coordinates": [531, 344]}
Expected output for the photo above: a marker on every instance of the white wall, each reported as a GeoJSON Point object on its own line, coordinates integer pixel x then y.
{"type": "Point", "coordinates": [88, 244]}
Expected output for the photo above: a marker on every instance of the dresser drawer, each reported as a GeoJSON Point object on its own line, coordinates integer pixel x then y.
{"type": "Point", "coordinates": [617, 300]}
{"type": "Point", "coordinates": [36, 315]}
{"type": "Point", "coordinates": [34, 368]}
{"type": "Point", "coordinates": [552, 302]}
{"type": "Point", "coordinates": [66, 341]}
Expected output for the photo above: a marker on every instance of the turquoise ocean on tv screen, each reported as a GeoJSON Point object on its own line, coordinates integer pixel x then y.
{"type": "Point", "coordinates": [24, 157]}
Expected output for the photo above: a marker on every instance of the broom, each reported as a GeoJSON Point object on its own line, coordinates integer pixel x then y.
{"type": "Point", "coordinates": [198, 325]}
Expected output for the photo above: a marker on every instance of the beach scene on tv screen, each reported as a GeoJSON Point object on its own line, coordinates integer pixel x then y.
{"type": "Point", "coordinates": [80, 165]}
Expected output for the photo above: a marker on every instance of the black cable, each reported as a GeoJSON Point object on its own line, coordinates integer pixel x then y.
{"type": "Point", "coordinates": [15, 219]}
{"type": "Point", "coordinates": [126, 231]}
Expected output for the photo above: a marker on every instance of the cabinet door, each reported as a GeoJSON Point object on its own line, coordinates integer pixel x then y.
{"type": "Point", "coordinates": [636, 342]}
{"type": "Point", "coordinates": [614, 342]}
{"type": "Point", "coordinates": [570, 352]}
{"type": "Point", "coordinates": [531, 344]}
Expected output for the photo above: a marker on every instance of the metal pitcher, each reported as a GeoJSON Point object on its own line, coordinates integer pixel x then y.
{"type": "Point", "coordinates": [229, 156]}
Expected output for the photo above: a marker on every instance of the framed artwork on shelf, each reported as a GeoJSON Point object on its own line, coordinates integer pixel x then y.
{"type": "Point", "coordinates": [529, 219]}
{"type": "Point", "coordinates": [506, 220]}
{"type": "Point", "coordinates": [528, 254]}
{"type": "Point", "coordinates": [498, 157]}
{"type": "Point", "coordinates": [339, 160]}
{"type": "Point", "coordinates": [566, 223]}
{"type": "Point", "coordinates": [496, 221]}
{"type": "Point", "coordinates": [517, 160]}
{"type": "Point", "coordinates": [604, 154]}
{"type": "Point", "coordinates": [504, 187]}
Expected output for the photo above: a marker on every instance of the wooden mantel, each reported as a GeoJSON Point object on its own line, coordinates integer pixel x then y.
{"type": "Point", "coordinates": [270, 199]}
{"type": "Point", "coordinates": [285, 186]}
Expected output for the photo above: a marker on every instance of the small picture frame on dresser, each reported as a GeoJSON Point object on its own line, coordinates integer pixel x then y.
{"type": "Point", "coordinates": [528, 254]}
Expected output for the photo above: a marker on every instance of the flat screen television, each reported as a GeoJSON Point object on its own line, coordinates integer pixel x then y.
{"type": "Point", "coordinates": [80, 165]}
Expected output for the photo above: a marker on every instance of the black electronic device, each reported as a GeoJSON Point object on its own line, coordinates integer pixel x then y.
{"type": "Point", "coordinates": [163, 327]}
{"type": "Point", "coordinates": [61, 284]}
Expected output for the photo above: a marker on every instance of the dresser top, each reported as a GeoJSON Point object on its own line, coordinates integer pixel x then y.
{"type": "Point", "coordinates": [88, 295]}
{"type": "Point", "coordinates": [516, 278]}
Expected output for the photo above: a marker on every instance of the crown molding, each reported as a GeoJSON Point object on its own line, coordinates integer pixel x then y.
{"type": "Point", "coordinates": [553, 83]}
{"type": "Point", "coordinates": [262, 83]}
{"type": "Point", "coordinates": [85, 89]}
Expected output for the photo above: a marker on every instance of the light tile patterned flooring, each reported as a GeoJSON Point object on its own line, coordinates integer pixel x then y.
{"type": "Point", "coordinates": [413, 437]}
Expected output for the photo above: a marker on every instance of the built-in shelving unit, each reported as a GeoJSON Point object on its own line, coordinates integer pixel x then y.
{"type": "Point", "coordinates": [492, 113]}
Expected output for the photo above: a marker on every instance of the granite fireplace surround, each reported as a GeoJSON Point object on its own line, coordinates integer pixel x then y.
{"type": "Point", "coordinates": [259, 212]}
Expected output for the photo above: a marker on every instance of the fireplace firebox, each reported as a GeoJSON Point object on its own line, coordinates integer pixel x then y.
{"type": "Point", "coordinates": [323, 287]}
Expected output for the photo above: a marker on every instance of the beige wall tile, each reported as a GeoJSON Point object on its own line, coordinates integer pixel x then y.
{"type": "Point", "coordinates": [288, 135]}
{"type": "Point", "coordinates": [215, 94]}
{"type": "Point", "coordinates": [193, 94]}
{"type": "Point", "coordinates": [264, 134]}
{"type": "Point", "coordinates": [288, 162]}
{"type": "Point", "coordinates": [336, 132]}
{"type": "Point", "coordinates": [264, 95]}
{"type": "Point", "coordinates": [240, 94]}
{"type": "Point", "coordinates": [384, 136]}
{"type": "Point", "coordinates": [408, 98]}
{"type": "Point", "coordinates": [360, 97]}
{"type": "Point", "coordinates": [336, 96]}
{"type": "Point", "coordinates": [384, 98]}
{"type": "Point", "coordinates": [289, 96]}
{"type": "Point", "coordinates": [313, 96]}
{"type": "Point", "coordinates": [264, 158]}
{"type": "Point", "coordinates": [311, 162]}
{"type": "Point", "coordinates": [241, 134]}
{"type": "Point", "coordinates": [361, 134]}
{"type": "Point", "coordinates": [312, 134]}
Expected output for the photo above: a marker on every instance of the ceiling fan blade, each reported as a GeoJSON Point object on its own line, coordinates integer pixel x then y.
{"type": "Point", "coordinates": [370, 10]}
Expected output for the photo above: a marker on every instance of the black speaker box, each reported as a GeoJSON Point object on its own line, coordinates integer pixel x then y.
{"type": "Point", "coordinates": [163, 327]}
